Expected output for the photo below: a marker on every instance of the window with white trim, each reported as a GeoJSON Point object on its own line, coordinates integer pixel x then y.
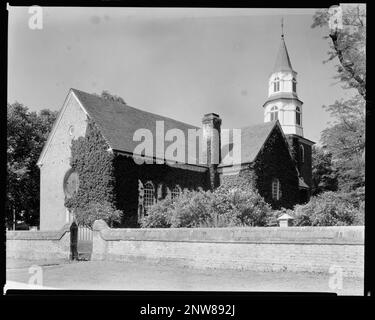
{"type": "Point", "coordinates": [274, 113]}
{"type": "Point", "coordinates": [276, 85]}
{"type": "Point", "coordinates": [298, 116]}
{"type": "Point", "coordinates": [276, 189]}
{"type": "Point", "coordinates": [294, 85]}
{"type": "Point", "coordinates": [148, 195]}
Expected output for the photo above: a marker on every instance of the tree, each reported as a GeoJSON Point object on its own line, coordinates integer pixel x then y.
{"type": "Point", "coordinates": [324, 175]}
{"type": "Point", "coordinates": [26, 135]}
{"type": "Point", "coordinates": [348, 42]}
{"type": "Point", "coordinates": [111, 97]}
{"type": "Point", "coordinates": [345, 138]}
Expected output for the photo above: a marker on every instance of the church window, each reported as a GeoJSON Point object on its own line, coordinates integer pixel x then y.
{"type": "Point", "coordinates": [149, 195]}
{"type": "Point", "coordinates": [276, 85]}
{"type": "Point", "coordinates": [276, 189]}
{"type": "Point", "coordinates": [274, 113]}
{"type": "Point", "coordinates": [302, 153]}
{"type": "Point", "coordinates": [294, 85]}
{"type": "Point", "coordinates": [298, 116]}
{"type": "Point", "coordinates": [176, 191]}
{"type": "Point", "coordinates": [70, 183]}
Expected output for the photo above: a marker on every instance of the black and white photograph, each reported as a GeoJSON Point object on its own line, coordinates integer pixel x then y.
{"type": "Point", "coordinates": [186, 149]}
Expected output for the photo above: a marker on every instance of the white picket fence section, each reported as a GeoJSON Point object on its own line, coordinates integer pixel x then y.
{"type": "Point", "coordinates": [84, 234]}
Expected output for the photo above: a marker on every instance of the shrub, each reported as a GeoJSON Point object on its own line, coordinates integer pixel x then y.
{"type": "Point", "coordinates": [191, 209]}
{"type": "Point", "coordinates": [329, 209]}
{"type": "Point", "coordinates": [188, 210]}
{"type": "Point", "coordinates": [232, 204]}
{"type": "Point", "coordinates": [85, 216]}
{"type": "Point", "coordinates": [240, 204]}
{"type": "Point", "coordinates": [159, 215]}
{"type": "Point", "coordinates": [216, 221]}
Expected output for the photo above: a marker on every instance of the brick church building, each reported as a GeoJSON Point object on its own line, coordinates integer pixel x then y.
{"type": "Point", "coordinates": [274, 153]}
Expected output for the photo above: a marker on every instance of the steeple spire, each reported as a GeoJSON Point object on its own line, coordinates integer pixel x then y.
{"type": "Point", "coordinates": [283, 103]}
{"type": "Point", "coordinates": [282, 60]}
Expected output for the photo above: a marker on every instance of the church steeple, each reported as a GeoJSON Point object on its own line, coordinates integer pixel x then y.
{"type": "Point", "coordinates": [283, 103]}
{"type": "Point", "coordinates": [282, 62]}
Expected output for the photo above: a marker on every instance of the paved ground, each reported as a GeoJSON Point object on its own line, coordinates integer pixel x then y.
{"type": "Point", "coordinates": [103, 275]}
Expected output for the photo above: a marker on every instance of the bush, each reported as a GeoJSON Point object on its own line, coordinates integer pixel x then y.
{"type": "Point", "coordinates": [159, 215]}
{"type": "Point", "coordinates": [188, 210]}
{"type": "Point", "coordinates": [240, 204]}
{"type": "Point", "coordinates": [85, 216]}
{"type": "Point", "coordinates": [232, 204]}
{"type": "Point", "coordinates": [329, 209]}
{"type": "Point", "coordinates": [216, 221]}
{"type": "Point", "coordinates": [191, 209]}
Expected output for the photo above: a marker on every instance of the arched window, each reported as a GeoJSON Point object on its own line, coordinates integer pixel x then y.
{"type": "Point", "coordinates": [176, 191]}
{"type": "Point", "coordinates": [276, 189]}
{"type": "Point", "coordinates": [298, 116]}
{"type": "Point", "coordinates": [149, 195]}
{"type": "Point", "coordinates": [70, 183]}
{"type": "Point", "coordinates": [274, 113]}
{"type": "Point", "coordinates": [294, 83]}
{"type": "Point", "coordinates": [276, 85]}
{"type": "Point", "coordinates": [302, 153]}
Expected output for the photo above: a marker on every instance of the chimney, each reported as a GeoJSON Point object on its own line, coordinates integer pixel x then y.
{"type": "Point", "coordinates": [211, 132]}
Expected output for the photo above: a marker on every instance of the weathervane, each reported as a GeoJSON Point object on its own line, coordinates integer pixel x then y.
{"type": "Point", "coordinates": [282, 27]}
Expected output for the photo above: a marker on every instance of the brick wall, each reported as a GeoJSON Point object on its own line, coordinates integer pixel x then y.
{"type": "Point", "coordinates": [305, 249]}
{"type": "Point", "coordinates": [31, 245]}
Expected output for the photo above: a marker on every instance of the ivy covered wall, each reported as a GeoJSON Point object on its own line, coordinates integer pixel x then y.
{"type": "Point", "coordinates": [127, 173]}
{"type": "Point", "coordinates": [94, 165]}
{"type": "Point", "coordinates": [274, 161]}
{"type": "Point", "coordinates": [304, 165]}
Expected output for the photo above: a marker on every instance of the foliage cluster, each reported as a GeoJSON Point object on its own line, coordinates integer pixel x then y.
{"type": "Point", "coordinates": [93, 161]}
{"type": "Point", "coordinates": [98, 210]}
{"type": "Point", "coordinates": [331, 209]}
{"type": "Point", "coordinates": [235, 203]}
{"type": "Point", "coordinates": [26, 134]}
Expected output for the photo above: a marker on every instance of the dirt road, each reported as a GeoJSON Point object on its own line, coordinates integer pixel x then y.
{"type": "Point", "coordinates": [104, 275]}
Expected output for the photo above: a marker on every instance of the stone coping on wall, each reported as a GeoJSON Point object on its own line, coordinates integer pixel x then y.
{"type": "Point", "coordinates": [348, 235]}
{"type": "Point", "coordinates": [38, 235]}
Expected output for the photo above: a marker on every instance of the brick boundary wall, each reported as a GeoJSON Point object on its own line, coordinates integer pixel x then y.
{"type": "Point", "coordinates": [297, 249]}
{"type": "Point", "coordinates": [30, 245]}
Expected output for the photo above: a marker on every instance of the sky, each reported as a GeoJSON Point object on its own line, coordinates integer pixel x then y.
{"type": "Point", "coordinates": [179, 63]}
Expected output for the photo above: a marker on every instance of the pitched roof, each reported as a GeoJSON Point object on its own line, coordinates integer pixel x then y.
{"type": "Point", "coordinates": [252, 139]}
{"type": "Point", "coordinates": [282, 60]}
{"type": "Point", "coordinates": [285, 216]}
{"type": "Point", "coordinates": [118, 122]}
